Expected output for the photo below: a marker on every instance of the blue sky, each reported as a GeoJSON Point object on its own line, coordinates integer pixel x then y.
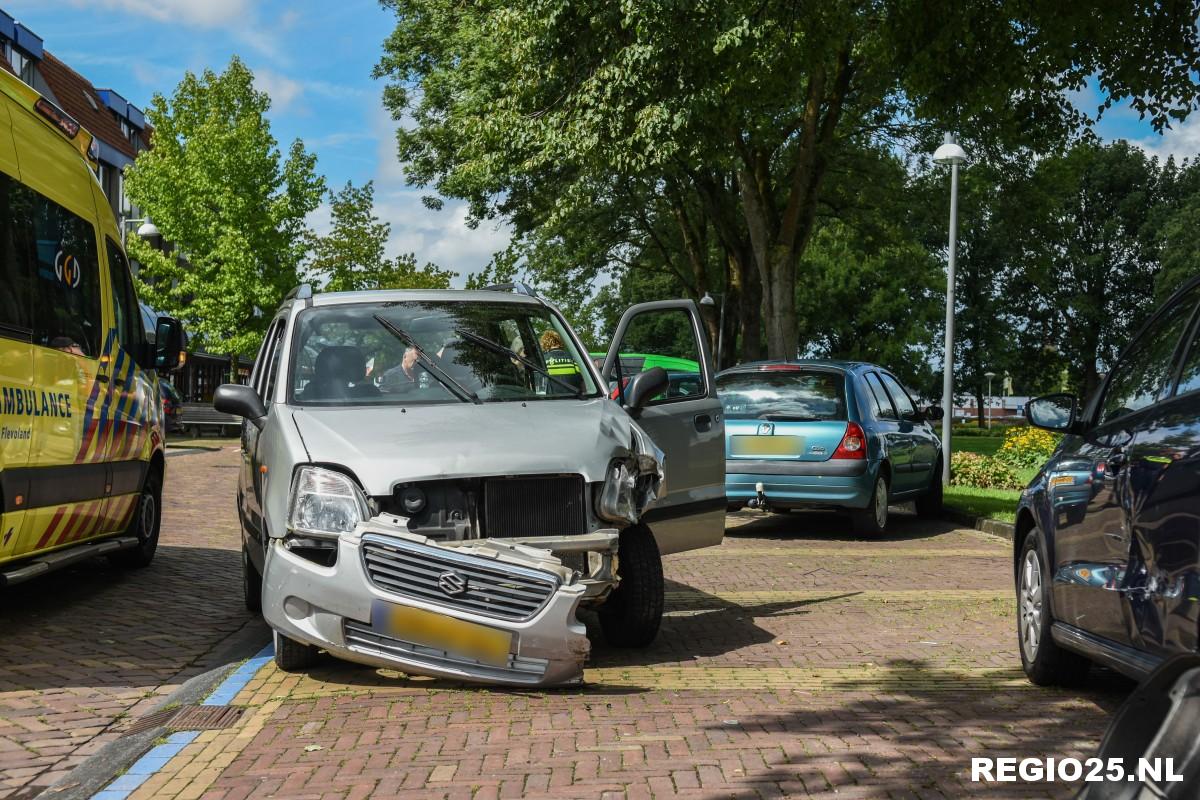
{"type": "Point", "coordinates": [314, 57]}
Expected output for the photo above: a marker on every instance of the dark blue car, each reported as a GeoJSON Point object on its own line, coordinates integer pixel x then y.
{"type": "Point", "coordinates": [1107, 553]}
{"type": "Point", "coordinates": [827, 434]}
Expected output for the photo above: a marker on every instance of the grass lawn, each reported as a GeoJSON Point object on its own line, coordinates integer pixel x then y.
{"type": "Point", "coordinates": [203, 443]}
{"type": "Point", "coordinates": [983, 445]}
{"type": "Point", "coordinates": [998, 504]}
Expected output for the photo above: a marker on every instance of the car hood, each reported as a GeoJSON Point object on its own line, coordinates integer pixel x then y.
{"type": "Point", "coordinates": [389, 445]}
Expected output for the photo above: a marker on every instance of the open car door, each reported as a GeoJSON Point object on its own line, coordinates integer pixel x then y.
{"type": "Point", "coordinates": [685, 421]}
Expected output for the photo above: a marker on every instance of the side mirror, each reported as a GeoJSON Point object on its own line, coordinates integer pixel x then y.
{"type": "Point", "coordinates": [643, 386]}
{"type": "Point", "coordinates": [933, 413]}
{"type": "Point", "coordinates": [241, 401]}
{"type": "Point", "coordinates": [1054, 412]}
{"type": "Point", "coordinates": [168, 344]}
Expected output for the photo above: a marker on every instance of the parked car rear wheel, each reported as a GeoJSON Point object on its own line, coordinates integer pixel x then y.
{"type": "Point", "coordinates": [930, 503]}
{"type": "Point", "coordinates": [147, 519]}
{"type": "Point", "coordinates": [873, 519]}
{"type": "Point", "coordinates": [631, 615]}
{"type": "Point", "coordinates": [293, 656]}
{"type": "Point", "coordinates": [1045, 663]}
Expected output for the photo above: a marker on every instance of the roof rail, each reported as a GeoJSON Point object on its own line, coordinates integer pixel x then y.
{"type": "Point", "coordinates": [515, 287]}
{"type": "Point", "coordinates": [302, 292]}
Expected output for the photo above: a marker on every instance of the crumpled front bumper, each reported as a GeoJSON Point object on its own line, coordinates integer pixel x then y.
{"type": "Point", "coordinates": [344, 610]}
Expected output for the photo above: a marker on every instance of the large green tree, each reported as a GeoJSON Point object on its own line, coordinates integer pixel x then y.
{"type": "Point", "coordinates": [232, 206]}
{"type": "Point", "coordinates": [532, 110]}
{"type": "Point", "coordinates": [352, 255]}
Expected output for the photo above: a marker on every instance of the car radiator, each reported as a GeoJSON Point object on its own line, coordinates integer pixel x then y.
{"type": "Point", "coordinates": [534, 505]}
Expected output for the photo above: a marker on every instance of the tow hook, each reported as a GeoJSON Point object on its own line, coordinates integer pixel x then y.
{"type": "Point", "coordinates": [761, 500]}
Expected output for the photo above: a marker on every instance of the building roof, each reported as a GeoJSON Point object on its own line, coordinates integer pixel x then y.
{"type": "Point", "coordinates": [76, 95]}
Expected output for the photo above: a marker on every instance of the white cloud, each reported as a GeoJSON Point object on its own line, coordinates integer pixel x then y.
{"type": "Point", "coordinates": [442, 237]}
{"type": "Point", "coordinates": [208, 13]}
{"type": "Point", "coordinates": [1182, 140]}
{"type": "Point", "coordinates": [282, 89]}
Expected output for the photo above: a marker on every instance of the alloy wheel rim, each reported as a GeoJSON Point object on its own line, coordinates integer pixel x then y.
{"type": "Point", "coordinates": [1031, 604]}
{"type": "Point", "coordinates": [881, 503]}
{"type": "Point", "coordinates": [148, 512]}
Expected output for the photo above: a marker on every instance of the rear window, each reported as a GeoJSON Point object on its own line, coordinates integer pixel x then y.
{"type": "Point", "coordinates": [806, 396]}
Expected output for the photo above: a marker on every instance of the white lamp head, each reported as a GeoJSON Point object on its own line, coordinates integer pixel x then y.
{"type": "Point", "coordinates": [950, 153]}
{"type": "Point", "coordinates": [707, 300]}
{"type": "Point", "coordinates": [147, 230]}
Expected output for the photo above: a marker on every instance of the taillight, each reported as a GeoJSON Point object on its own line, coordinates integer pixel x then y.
{"type": "Point", "coordinates": [853, 444]}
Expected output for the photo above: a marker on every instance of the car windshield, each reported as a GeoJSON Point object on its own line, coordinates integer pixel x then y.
{"type": "Point", "coordinates": [363, 354]}
{"type": "Point", "coordinates": [784, 396]}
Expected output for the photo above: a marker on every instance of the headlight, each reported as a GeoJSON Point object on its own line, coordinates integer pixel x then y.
{"type": "Point", "coordinates": [617, 501]}
{"type": "Point", "coordinates": [325, 502]}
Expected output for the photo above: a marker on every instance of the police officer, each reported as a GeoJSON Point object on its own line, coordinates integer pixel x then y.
{"type": "Point", "coordinates": [559, 362]}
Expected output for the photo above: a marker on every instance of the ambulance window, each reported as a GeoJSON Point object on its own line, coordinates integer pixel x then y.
{"type": "Point", "coordinates": [66, 296]}
{"type": "Point", "coordinates": [125, 305]}
{"type": "Point", "coordinates": [16, 317]}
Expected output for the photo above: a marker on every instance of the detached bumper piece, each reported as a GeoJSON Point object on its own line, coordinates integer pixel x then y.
{"type": "Point", "coordinates": [487, 611]}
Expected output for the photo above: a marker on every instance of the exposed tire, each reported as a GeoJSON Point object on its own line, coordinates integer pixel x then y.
{"type": "Point", "coordinates": [293, 656]}
{"type": "Point", "coordinates": [874, 518]}
{"type": "Point", "coordinates": [633, 612]}
{"type": "Point", "coordinates": [929, 504]}
{"type": "Point", "coordinates": [145, 525]}
{"type": "Point", "coordinates": [1044, 662]}
{"type": "Point", "coordinates": [251, 583]}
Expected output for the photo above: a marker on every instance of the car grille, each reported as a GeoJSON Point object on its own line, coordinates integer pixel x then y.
{"type": "Point", "coordinates": [536, 505]}
{"type": "Point", "coordinates": [364, 639]}
{"type": "Point", "coordinates": [493, 588]}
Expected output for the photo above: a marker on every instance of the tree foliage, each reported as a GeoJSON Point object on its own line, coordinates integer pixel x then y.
{"type": "Point", "coordinates": [729, 118]}
{"type": "Point", "coordinates": [352, 256]}
{"type": "Point", "coordinates": [218, 188]}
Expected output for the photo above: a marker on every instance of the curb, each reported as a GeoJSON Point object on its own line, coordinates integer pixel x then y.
{"type": "Point", "coordinates": [116, 757]}
{"type": "Point", "coordinates": [992, 527]}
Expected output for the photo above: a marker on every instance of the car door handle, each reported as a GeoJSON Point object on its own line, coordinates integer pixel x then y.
{"type": "Point", "coordinates": [703, 422]}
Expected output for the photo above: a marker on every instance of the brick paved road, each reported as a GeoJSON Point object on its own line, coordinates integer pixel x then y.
{"type": "Point", "coordinates": [795, 660]}
{"type": "Point", "coordinates": [85, 649]}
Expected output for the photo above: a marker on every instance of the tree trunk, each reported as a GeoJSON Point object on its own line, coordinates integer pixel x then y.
{"type": "Point", "coordinates": [781, 325]}
{"type": "Point", "coordinates": [749, 311]}
{"type": "Point", "coordinates": [979, 405]}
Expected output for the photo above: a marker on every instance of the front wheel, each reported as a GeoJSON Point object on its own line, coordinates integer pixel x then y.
{"type": "Point", "coordinates": [293, 656]}
{"type": "Point", "coordinates": [633, 612]}
{"type": "Point", "coordinates": [874, 518]}
{"type": "Point", "coordinates": [145, 525]}
{"type": "Point", "coordinates": [251, 583]}
{"type": "Point", "coordinates": [1044, 662]}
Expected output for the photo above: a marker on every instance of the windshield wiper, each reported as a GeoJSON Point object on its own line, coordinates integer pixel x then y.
{"type": "Point", "coordinates": [499, 348]}
{"type": "Point", "coordinates": [456, 388]}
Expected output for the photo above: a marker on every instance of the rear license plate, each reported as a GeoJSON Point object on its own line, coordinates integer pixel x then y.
{"type": "Point", "coordinates": [428, 628]}
{"type": "Point", "coordinates": [766, 445]}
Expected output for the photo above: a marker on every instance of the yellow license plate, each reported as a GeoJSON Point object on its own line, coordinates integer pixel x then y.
{"type": "Point", "coordinates": [766, 445]}
{"type": "Point", "coordinates": [416, 625]}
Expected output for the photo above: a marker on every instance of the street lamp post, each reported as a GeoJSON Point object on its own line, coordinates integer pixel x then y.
{"type": "Point", "coordinates": [146, 229]}
{"type": "Point", "coordinates": [989, 376]}
{"type": "Point", "coordinates": [951, 154]}
{"type": "Point", "coordinates": [707, 300]}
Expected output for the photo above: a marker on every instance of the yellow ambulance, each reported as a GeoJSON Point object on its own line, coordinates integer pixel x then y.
{"type": "Point", "coordinates": [81, 438]}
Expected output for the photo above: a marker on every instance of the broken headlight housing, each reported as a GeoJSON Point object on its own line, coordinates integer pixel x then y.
{"type": "Point", "coordinates": [617, 499]}
{"type": "Point", "coordinates": [325, 502]}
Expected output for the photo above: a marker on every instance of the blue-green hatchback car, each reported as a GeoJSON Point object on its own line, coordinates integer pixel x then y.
{"type": "Point", "coordinates": [832, 434]}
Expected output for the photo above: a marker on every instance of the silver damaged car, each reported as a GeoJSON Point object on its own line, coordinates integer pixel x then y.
{"type": "Point", "coordinates": [438, 481]}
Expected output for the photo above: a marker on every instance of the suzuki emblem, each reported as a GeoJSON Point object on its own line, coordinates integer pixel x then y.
{"type": "Point", "coordinates": [766, 428]}
{"type": "Point", "coordinates": [452, 583]}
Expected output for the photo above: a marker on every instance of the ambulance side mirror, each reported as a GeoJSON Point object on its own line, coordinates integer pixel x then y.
{"type": "Point", "coordinates": [168, 344]}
